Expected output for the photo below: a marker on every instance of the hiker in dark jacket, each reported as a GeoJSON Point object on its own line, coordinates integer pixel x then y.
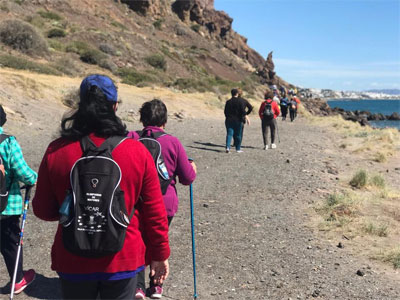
{"type": "Point", "coordinates": [15, 170]}
{"type": "Point", "coordinates": [284, 107]}
{"type": "Point", "coordinates": [268, 120]}
{"type": "Point", "coordinates": [236, 110]}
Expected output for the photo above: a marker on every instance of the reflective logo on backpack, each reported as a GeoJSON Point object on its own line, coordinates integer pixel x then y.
{"type": "Point", "coordinates": [154, 147]}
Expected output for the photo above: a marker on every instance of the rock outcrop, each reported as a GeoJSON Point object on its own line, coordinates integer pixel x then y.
{"type": "Point", "coordinates": [147, 7]}
{"type": "Point", "coordinates": [219, 26]}
{"type": "Point", "coordinates": [317, 106]}
{"type": "Point", "coordinates": [216, 24]}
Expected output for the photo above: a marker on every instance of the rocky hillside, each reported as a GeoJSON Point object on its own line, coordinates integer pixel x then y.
{"type": "Point", "coordinates": [182, 44]}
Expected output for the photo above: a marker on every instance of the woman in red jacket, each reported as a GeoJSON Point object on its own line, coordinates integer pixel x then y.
{"type": "Point", "coordinates": [111, 276]}
{"type": "Point", "coordinates": [268, 112]}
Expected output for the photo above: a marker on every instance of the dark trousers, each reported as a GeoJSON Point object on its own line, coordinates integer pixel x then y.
{"type": "Point", "coordinates": [234, 129]}
{"type": "Point", "coordinates": [103, 289]}
{"type": "Point", "coordinates": [284, 110]}
{"type": "Point", "coordinates": [293, 114]}
{"type": "Point", "coordinates": [9, 233]}
{"type": "Point", "coordinates": [141, 281]}
{"type": "Point", "coordinates": [265, 124]}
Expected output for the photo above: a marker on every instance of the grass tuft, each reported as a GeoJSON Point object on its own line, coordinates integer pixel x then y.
{"type": "Point", "coordinates": [359, 180]}
{"type": "Point", "coordinates": [377, 181]}
{"type": "Point", "coordinates": [380, 230]}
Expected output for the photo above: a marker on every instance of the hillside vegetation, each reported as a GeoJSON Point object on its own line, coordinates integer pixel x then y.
{"type": "Point", "coordinates": [182, 45]}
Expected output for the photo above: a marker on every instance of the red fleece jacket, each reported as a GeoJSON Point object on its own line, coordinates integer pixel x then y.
{"type": "Point", "coordinates": [139, 178]}
{"type": "Point", "coordinates": [274, 106]}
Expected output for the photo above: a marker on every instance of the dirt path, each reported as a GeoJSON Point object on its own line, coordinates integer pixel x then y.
{"type": "Point", "coordinates": [252, 212]}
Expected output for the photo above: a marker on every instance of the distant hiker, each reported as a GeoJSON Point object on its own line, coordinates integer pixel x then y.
{"type": "Point", "coordinates": [98, 210]}
{"type": "Point", "coordinates": [246, 119]}
{"type": "Point", "coordinates": [268, 112]}
{"type": "Point", "coordinates": [282, 92]}
{"type": "Point", "coordinates": [284, 107]}
{"type": "Point", "coordinates": [293, 106]}
{"type": "Point", "coordinates": [16, 170]}
{"type": "Point", "coordinates": [153, 115]}
{"type": "Point", "coordinates": [236, 110]}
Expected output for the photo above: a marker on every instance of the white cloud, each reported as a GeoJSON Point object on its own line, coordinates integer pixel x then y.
{"type": "Point", "coordinates": [370, 69]}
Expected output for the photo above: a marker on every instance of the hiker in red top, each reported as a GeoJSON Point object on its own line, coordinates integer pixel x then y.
{"type": "Point", "coordinates": [293, 106]}
{"type": "Point", "coordinates": [268, 112]}
{"type": "Point", "coordinates": [112, 276]}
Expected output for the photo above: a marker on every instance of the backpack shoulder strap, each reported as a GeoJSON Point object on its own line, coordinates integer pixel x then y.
{"type": "Point", "coordinates": [109, 144]}
{"type": "Point", "coordinates": [112, 142]}
{"type": "Point", "coordinates": [87, 143]}
{"type": "Point", "coordinates": [156, 135]}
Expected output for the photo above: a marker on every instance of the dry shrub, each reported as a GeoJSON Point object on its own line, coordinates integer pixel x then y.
{"type": "Point", "coordinates": [380, 230]}
{"type": "Point", "coordinates": [23, 37]}
{"type": "Point", "coordinates": [359, 180]}
{"type": "Point", "coordinates": [377, 181]}
{"type": "Point", "coordinates": [71, 98]}
{"type": "Point", "coordinates": [393, 257]}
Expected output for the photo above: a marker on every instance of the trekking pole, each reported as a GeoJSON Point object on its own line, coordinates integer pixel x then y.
{"type": "Point", "coordinates": [28, 189]}
{"type": "Point", "coordinates": [193, 244]}
{"type": "Point", "coordinates": [277, 131]}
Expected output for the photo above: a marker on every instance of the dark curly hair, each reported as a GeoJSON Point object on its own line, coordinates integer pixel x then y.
{"type": "Point", "coordinates": [3, 116]}
{"type": "Point", "coordinates": [153, 113]}
{"type": "Point", "coordinates": [95, 114]}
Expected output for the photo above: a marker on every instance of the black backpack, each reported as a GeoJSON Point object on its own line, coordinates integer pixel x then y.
{"type": "Point", "coordinates": [3, 182]}
{"type": "Point", "coordinates": [154, 147]}
{"type": "Point", "coordinates": [268, 114]}
{"type": "Point", "coordinates": [97, 218]}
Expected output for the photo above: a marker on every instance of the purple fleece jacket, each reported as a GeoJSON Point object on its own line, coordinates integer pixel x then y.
{"type": "Point", "coordinates": [177, 164]}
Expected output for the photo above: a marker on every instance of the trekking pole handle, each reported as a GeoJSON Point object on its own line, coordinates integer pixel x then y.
{"type": "Point", "coordinates": [28, 189]}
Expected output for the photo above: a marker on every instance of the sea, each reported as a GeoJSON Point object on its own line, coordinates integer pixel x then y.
{"type": "Point", "coordinates": [385, 107]}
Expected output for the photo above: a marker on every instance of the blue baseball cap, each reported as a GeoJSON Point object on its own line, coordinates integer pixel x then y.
{"type": "Point", "coordinates": [101, 81]}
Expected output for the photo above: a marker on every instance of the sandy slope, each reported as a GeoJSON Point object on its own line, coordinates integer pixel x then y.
{"type": "Point", "coordinates": [252, 210]}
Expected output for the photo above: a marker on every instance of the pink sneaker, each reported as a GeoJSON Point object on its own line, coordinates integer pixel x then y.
{"type": "Point", "coordinates": [29, 277]}
{"type": "Point", "coordinates": [156, 292]}
{"type": "Point", "coordinates": [140, 294]}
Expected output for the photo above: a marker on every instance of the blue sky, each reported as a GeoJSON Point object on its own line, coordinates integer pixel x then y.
{"type": "Point", "coordinates": [334, 44]}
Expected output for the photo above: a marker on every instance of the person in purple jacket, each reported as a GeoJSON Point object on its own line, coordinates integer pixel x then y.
{"type": "Point", "coordinates": [153, 115]}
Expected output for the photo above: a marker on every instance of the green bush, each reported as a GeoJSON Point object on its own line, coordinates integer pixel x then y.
{"type": "Point", "coordinates": [56, 32]}
{"type": "Point", "coordinates": [77, 47]}
{"type": "Point", "coordinates": [23, 37]}
{"type": "Point", "coordinates": [86, 53]}
{"type": "Point", "coordinates": [359, 180]}
{"type": "Point", "coordinates": [92, 56]}
{"type": "Point", "coordinates": [133, 77]}
{"type": "Point", "coordinates": [195, 27]}
{"type": "Point", "coordinates": [158, 24]}
{"type": "Point", "coordinates": [157, 61]}
{"type": "Point", "coordinates": [20, 63]}
{"type": "Point", "coordinates": [49, 15]}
